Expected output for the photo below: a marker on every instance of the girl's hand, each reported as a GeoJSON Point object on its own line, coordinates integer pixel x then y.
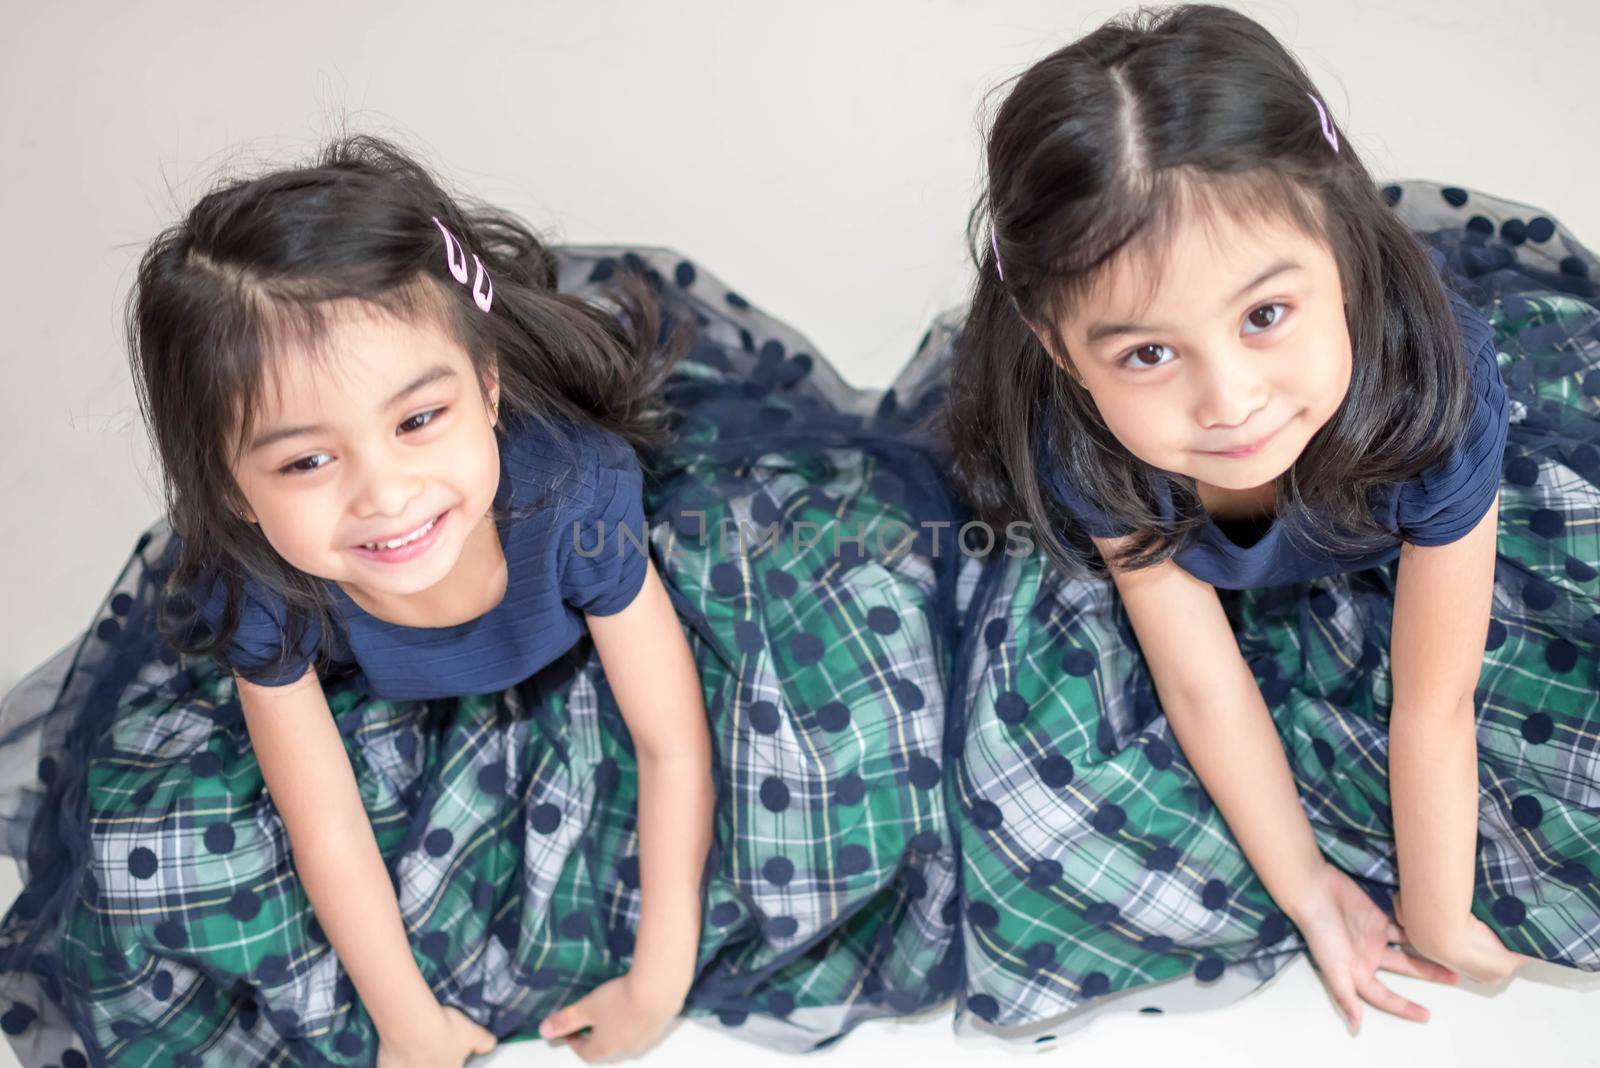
{"type": "Point", "coordinates": [624, 1017]}
{"type": "Point", "coordinates": [442, 1041]}
{"type": "Point", "coordinates": [1349, 938]}
{"type": "Point", "coordinates": [1475, 951]}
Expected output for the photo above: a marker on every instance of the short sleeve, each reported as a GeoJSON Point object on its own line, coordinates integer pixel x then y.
{"type": "Point", "coordinates": [257, 651]}
{"type": "Point", "coordinates": [1445, 502]}
{"type": "Point", "coordinates": [605, 541]}
{"type": "Point", "coordinates": [1085, 512]}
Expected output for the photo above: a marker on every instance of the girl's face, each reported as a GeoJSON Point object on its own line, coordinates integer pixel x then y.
{"type": "Point", "coordinates": [371, 463]}
{"type": "Point", "coordinates": [1241, 355]}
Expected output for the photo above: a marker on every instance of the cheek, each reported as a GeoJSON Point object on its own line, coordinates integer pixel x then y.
{"type": "Point", "coordinates": [296, 523]}
{"type": "Point", "coordinates": [1331, 381]}
{"type": "Point", "coordinates": [299, 525]}
{"type": "Point", "coordinates": [1141, 424]}
{"type": "Point", "coordinates": [1330, 368]}
{"type": "Point", "coordinates": [479, 461]}
{"type": "Point", "coordinates": [264, 502]}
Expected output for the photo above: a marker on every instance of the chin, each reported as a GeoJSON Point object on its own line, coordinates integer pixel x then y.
{"type": "Point", "coordinates": [1245, 474]}
{"type": "Point", "coordinates": [415, 580]}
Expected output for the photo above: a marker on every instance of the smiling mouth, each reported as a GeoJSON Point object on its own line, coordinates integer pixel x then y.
{"type": "Point", "coordinates": [404, 539]}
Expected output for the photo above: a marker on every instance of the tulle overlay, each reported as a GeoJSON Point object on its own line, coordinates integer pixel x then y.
{"type": "Point", "coordinates": [798, 529]}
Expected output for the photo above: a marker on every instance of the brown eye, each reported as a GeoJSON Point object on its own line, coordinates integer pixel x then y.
{"type": "Point", "coordinates": [307, 464]}
{"type": "Point", "coordinates": [420, 420]}
{"type": "Point", "coordinates": [1146, 356]}
{"type": "Point", "coordinates": [1254, 318]}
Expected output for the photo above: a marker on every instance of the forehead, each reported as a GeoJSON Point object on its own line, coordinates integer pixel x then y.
{"type": "Point", "coordinates": [1196, 254]}
{"type": "Point", "coordinates": [349, 358]}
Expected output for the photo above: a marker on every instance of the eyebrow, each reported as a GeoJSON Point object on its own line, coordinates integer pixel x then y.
{"type": "Point", "coordinates": [1100, 331]}
{"type": "Point", "coordinates": [426, 378]}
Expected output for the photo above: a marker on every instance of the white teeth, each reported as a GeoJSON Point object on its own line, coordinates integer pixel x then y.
{"type": "Point", "coordinates": [377, 546]}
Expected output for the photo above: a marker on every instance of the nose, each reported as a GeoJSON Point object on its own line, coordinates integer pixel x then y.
{"type": "Point", "coordinates": [386, 488]}
{"type": "Point", "coordinates": [1232, 390]}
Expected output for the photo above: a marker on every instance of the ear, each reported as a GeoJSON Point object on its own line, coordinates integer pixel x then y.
{"type": "Point", "coordinates": [491, 394]}
{"type": "Point", "coordinates": [1059, 357]}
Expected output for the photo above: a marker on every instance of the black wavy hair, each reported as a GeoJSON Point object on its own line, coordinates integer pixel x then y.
{"type": "Point", "coordinates": [1101, 146]}
{"type": "Point", "coordinates": [261, 261]}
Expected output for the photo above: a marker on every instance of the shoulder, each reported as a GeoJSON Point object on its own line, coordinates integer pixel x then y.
{"type": "Point", "coordinates": [1446, 501]}
{"type": "Point", "coordinates": [266, 642]}
{"type": "Point", "coordinates": [1084, 509]}
{"type": "Point", "coordinates": [255, 605]}
{"type": "Point", "coordinates": [1079, 505]}
{"type": "Point", "coordinates": [606, 480]}
{"type": "Point", "coordinates": [599, 518]}
{"type": "Point", "coordinates": [1478, 348]}
{"type": "Point", "coordinates": [552, 459]}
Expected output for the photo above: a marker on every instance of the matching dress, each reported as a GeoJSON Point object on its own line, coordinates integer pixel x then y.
{"type": "Point", "coordinates": [161, 921]}
{"type": "Point", "coordinates": [1097, 875]}
{"type": "Point", "coordinates": [936, 774]}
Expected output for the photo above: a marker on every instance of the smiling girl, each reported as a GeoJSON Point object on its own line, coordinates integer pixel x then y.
{"type": "Point", "coordinates": [421, 722]}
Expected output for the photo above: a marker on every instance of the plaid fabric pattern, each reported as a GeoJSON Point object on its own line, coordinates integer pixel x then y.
{"type": "Point", "coordinates": [829, 700]}
{"type": "Point", "coordinates": [502, 818]}
{"type": "Point", "coordinates": [812, 550]}
{"type": "Point", "coordinates": [508, 820]}
{"type": "Point", "coordinates": [1096, 873]}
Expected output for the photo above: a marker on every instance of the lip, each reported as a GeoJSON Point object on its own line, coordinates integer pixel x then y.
{"type": "Point", "coordinates": [1250, 449]}
{"type": "Point", "coordinates": [410, 550]}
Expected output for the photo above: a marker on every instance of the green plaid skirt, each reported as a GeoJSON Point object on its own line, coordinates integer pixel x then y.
{"type": "Point", "coordinates": [1097, 875]}
{"type": "Point", "coordinates": [161, 921]}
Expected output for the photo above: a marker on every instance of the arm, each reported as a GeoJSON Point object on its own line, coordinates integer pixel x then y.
{"type": "Point", "coordinates": [1223, 727]}
{"type": "Point", "coordinates": [653, 676]}
{"type": "Point", "coordinates": [309, 778]}
{"type": "Point", "coordinates": [1221, 722]}
{"type": "Point", "coordinates": [1441, 613]}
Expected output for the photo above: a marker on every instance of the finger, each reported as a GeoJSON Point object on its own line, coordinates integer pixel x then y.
{"type": "Point", "coordinates": [565, 1021]}
{"type": "Point", "coordinates": [1395, 900]}
{"type": "Point", "coordinates": [485, 1043]}
{"type": "Point", "coordinates": [1381, 997]}
{"type": "Point", "coordinates": [1396, 960]}
{"type": "Point", "coordinates": [1344, 996]}
{"type": "Point", "coordinates": [1394, 933]}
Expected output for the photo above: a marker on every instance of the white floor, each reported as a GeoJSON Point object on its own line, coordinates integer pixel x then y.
{"type": "Point", "coordinates": [821, 157]}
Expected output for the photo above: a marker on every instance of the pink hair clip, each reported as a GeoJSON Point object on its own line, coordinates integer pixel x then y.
{"type": "Point", "coordinates": [455, 257]}
{"type": "Point", "coordinates": [1328, 131]}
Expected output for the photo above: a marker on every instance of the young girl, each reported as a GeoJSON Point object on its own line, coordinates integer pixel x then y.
{"type": "Point", "coordinates": [1311, 659]}
{"type": "Point", "coordinates": [392, 740]}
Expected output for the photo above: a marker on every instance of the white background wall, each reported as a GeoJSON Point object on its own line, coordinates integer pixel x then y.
{"type": "Point", "coordinates": [822, 157]}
